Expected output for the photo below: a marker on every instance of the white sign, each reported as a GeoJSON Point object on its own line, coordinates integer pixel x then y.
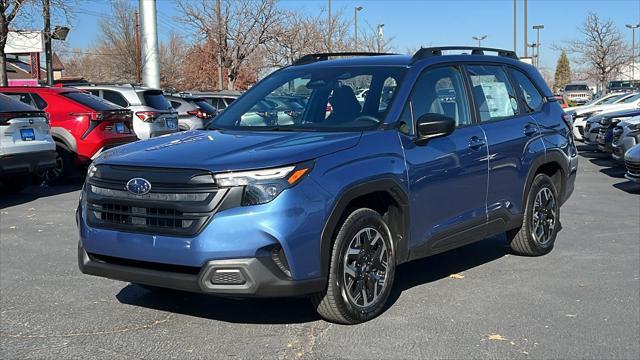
{"type": "Point", "coordinates": [22, 42]}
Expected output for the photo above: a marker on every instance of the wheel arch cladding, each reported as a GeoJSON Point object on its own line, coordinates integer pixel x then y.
{"type": "Point", "coordinates": [63, 139]}
{"type": "Point", "coordinates": [384, 196]}
{"type": "Point", "coordinates": [552, 166]}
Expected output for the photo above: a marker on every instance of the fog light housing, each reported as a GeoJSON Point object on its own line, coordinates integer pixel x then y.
{"type": "Point", "coordinates": [278, 257]}
{"type": "Point", "coordinates": [228, 277]}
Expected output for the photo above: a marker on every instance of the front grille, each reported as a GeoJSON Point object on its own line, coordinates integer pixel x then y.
{"type": "Point", "coordinates": [180, 202]}
{"type": "Point", "coordinates": [617, 134]}
{"type": "Point", "coordinates": [633, 168]}
{"type": "Point", "coordinates": [587, 127]}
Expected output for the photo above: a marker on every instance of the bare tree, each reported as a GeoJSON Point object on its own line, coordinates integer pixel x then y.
{"type": "Point", "coordinates": [246, 26]}
{"type": "Point", "coordinates": [172, 56]}
{"type": "Point", "coordinates": [9, 10]}
{"type": "Point", "coordinates": [603, 50]}
{"type": "Point", "coordinates": [369, 41]}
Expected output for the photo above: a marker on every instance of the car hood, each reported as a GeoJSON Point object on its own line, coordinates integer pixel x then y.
{"type": "Point", "coordinates": [612, 114]}
{"type": "Point", "coordinates": [225, 150]}
{"type": "Point", "coordinates": [608, 108]}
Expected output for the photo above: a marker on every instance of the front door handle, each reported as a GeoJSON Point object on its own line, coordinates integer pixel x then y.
{"type": "Point", "coordinates": [530, 130]}
{"type": "Point", "coordinates": [476, 143]}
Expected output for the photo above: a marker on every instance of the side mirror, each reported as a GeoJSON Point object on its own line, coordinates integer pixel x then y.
{"type": "Point", "coordinates": [431, 125]}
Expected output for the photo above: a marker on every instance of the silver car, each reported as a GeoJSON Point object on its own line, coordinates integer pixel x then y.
{"type": "Point", "coordinates": [193, 113]}
{"type": "Point", "coordinates": [625, 136]}
{"type": "Point", "coordinates": [26, 146]}
{"type": "Point", "coordinates": [152, 113]}
{"type": "Point", "coordinates": [632, 162]}
{"type": "Point", "coordinates": [594, 124]}
{"type": "Point", "coordinates": [218, 99]}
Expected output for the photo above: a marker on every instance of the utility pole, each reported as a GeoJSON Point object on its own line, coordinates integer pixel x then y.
{"type": "Point", "coordinates": [525, 28]}
{"type": "Point", "coordinates": [150, 58]}
{"type": "Point", "coordinates": [633, 48]}
{"type": "Point", "coordinates": [355, 21]}
{"type": "Point", "coordinates": [379, 28]}
{"type": "Point", "coordinates": [329, 30]}
{"type": "Point", "coordinates": [515, 21]}
{"type": "Point", "coordinates": [479, 39]}
{"type": "Point", "coordinates": [219, 16]}
{"type": "Point", "coordinates": [136, 20]}
{"type": "Point", "coordinates": [537, 29]}
{"type": "Point", "coordinates": [47, 42]}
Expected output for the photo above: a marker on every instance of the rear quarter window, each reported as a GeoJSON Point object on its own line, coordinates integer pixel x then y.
{"type": "Point", "coordinates": [156, 100]}
{"type": "Point", "coordinates": [530, 95]}
{"type": "Point", "coordinates": [91, 101]}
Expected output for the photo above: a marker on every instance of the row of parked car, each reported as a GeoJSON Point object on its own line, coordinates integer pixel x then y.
{"type": "Point", "coordinates": [612, 123]}
{"type": "Point", "coordinates": [51, 131]}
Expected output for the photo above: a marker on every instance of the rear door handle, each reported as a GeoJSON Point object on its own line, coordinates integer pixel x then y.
{"type": "Point", "coordinates": [476, 143]}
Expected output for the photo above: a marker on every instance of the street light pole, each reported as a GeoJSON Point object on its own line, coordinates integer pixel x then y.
{"type": "Point", "coordinates": [515, 18]}
{"type": "Point", "coordinates": [525, 28]}
{"type": "Point", "coordinates": [355, 21]}
{"type": "Point", "coordinates": [329, 28]}
{"type": "Point", "coordinates": [47, 42]}
{"type": "Point", "coordinates": [633, 48]}
{"type": "Point", "coordinates": [537, 29]}
{"type": "Point", "coordinates": [379, 28]}
{"type": "Point", "coordinates": [479, 39]}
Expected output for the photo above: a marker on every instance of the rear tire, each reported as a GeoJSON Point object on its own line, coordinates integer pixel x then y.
{"type": "Point", "coordinates": [62, 169]}
{"type": "Point", "coordinates": [541, 222]}
{"type": "Point", "coordinates": [361, 271]}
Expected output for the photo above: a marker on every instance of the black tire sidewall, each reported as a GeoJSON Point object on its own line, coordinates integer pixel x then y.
{"type": "Point", "coordinates": [358, 220]}
{"type": "Point", "coordinates": [539, 182]}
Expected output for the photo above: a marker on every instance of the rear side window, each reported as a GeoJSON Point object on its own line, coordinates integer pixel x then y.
{"type": "Point", "coordinates": [205, 106]}
{"type": "Point", "coordinates": [532, 98]}
{"type": "Point", "coordinates": [156, 100]}
{"type": "Point", "coordinates": [24, 98]}
{"type": "Point", "coordinates": [114, 97]}
{"type": "Point", "coordinates": [494, 97]}
{"type": "Point", "coordinates": [40, 103]}
{"type": "Point", "coordinates": [91, 101]}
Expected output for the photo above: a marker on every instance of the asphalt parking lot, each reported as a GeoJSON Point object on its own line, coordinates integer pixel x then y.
{"type": "Point", "coordinates": [580, 301]}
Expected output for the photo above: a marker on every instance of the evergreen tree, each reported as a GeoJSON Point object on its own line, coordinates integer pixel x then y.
{"type": "Point", "coordinates": [563, 72]}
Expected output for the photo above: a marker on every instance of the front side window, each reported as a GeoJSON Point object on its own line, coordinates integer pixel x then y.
{"type": "Point", "coordinates": [532, 98]}
{"type": "Point", "coordinates": [440, 91]}
{"type": "Point", "coordinates": [492, 92]}
{"type": "Point", "coordinates": [316, 99]}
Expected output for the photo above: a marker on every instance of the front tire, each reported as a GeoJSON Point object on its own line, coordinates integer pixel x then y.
{"type": "Point", "coordinates": [541, 222]}
{"type": "Point", "coordinates": [361, 271]}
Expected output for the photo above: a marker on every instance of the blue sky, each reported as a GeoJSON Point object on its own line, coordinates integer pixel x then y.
{"type": "Point", "coordinates": [429, 22]}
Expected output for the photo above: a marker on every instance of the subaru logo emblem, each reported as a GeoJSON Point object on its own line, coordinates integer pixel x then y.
{"type": "Point", "coordinates": [138, 186]}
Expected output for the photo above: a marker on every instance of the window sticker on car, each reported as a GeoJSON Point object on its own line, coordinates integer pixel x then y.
{"type": "Point", "coordinates": [498, 99]}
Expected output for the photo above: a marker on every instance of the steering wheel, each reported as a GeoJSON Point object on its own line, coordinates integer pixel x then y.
{"type": "Point", "coordinates": [367, 118]}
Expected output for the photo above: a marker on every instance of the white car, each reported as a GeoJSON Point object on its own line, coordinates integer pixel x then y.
{"type": "Point", "coordinates": [152, 113]}
{"type": "Point", "coordinates": [625, 136]}
{"type": "Point", "coordinates": [580, 116]}
{"type": "Point", "coordinates": [26, 146]}
{"type": "Point", "coordinates": [607, 99]}
{"type": "Point", "coordinates": [594, 123]}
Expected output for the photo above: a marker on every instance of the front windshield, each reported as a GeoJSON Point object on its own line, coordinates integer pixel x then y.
{"type": "Point", "coordinates": [613, 99]}
{"type": "Point", "coordinates": [576, 88]}
{"type": "Point", "coordinates": [322, 99]}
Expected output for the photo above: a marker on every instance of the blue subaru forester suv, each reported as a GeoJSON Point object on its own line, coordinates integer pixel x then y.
{"type": "Point", "coordinates": [301, 187]}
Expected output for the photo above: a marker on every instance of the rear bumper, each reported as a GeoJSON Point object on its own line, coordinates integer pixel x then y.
{"type": "Point", "coordinates": [251, 277]}
{"type": "Point", "coordinates": [27, 163]}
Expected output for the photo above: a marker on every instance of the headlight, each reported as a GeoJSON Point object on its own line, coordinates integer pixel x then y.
{"type": "Point", "coordinates": [634, 127]}
{"type": "Point", "coordinates": [262, 186]}
{"type": "Point", "coordinates": [91, 171]}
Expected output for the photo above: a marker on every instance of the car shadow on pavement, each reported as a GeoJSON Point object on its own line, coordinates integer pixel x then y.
{"type": "Point", "coordinates": [434, 268]}
{"type": "Point", "coordinates": [300, 310]}
{"type": "Point", "coordinates": [34, 192]}
{"type": "Point", "coordinates": [616, 170]}
{"type": "Point", "coordinates": [232, 310]}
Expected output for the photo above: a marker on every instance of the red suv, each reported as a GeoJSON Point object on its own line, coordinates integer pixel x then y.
{"type": "Point", "coordinates": [82, 125]}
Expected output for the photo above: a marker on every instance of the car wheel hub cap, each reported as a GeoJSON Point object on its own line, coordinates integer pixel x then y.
{"type": "Point", "coordinates": [544, 216]}
{"type": "Point", "coordinates": [365, 267]}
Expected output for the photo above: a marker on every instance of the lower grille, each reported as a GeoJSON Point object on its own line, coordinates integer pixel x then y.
{"type": "Point", "coordinates": [193, 270]}
{"type": "Point", "coordinates": [633, 168]}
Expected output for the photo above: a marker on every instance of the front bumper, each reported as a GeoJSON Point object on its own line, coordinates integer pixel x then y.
{"type": "Point", "coordinates": [251, 277]}
{"type": "Point", "coordinates": [27, 163]}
